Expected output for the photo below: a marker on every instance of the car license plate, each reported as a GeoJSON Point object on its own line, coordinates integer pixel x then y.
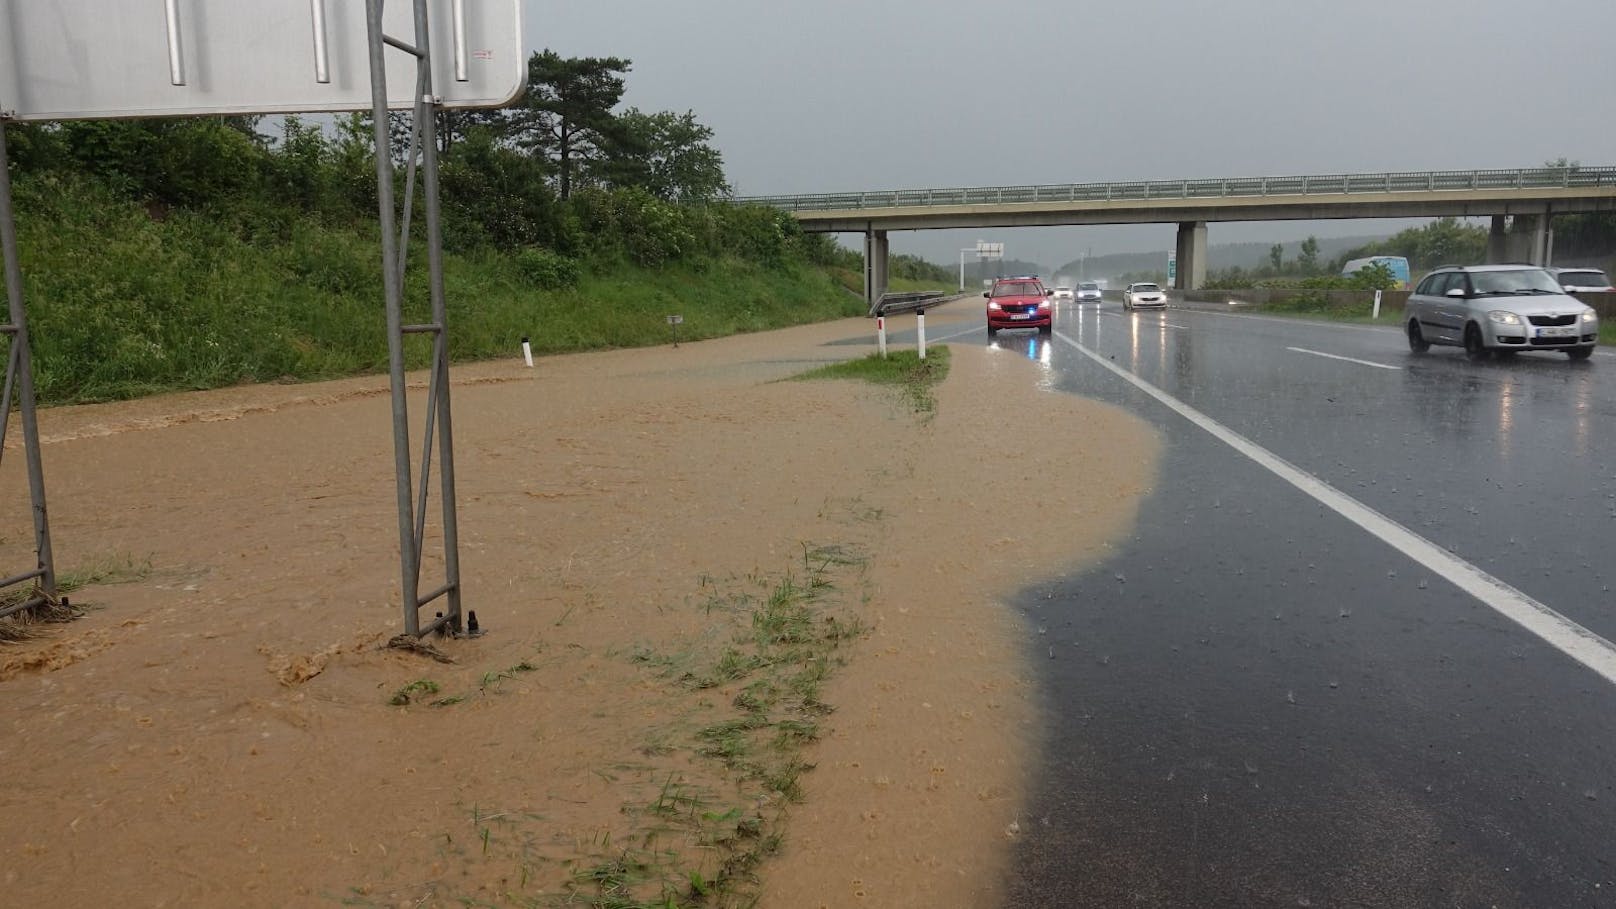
{"type": "Point", "coordinates": [1564, 331]}
{"type": "Point", "coordinates": [1021, 315]}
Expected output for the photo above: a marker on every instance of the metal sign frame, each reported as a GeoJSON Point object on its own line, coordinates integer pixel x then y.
{"type": "Point", "coordinates": [423, 144]}
{"type": "Point", "coordinates": [422, 157]}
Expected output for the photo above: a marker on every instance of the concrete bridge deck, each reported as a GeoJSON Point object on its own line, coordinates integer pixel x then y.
{"type": "Point", "coordinates": [1532, 196]}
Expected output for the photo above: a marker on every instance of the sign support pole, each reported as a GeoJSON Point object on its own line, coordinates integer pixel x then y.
{"type": "Point", "coordinates": [20, 373]}
{"type": "Point", "coordinates": [412, 514]}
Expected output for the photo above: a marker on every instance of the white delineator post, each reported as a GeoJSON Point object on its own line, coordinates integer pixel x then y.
{"type": "Point", "coordinates": [881, 335]}
{"type": "Point", "coordinates": [1376, 313]}
{"type": "Point", "coordinates": [527, 352]}
{"type": "Point", "coordinates": [920, 331]}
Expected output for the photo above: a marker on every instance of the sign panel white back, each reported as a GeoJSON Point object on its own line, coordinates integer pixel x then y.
{"type": "Point", "coordinates": [92, 59]}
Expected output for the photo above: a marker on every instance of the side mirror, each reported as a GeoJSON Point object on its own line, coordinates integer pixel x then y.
{"type": "Point", "coordinates": [987, 295]}
{"type": "Point", "coordinates": [1455, 292]}
{"type": "Point", "coordinates": [1049, 293]}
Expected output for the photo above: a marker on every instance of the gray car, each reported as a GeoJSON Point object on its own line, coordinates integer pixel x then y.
{"type": "Point", "coordinates": [1498, 309]}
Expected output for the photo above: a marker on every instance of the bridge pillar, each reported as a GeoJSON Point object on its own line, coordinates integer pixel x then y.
{"type": "Point", "coordinates": [875, 266]}
{"type": "Point", "coordinates": [1497, 242]}
{"type": "Point", "coordinates": [1191, 249]}
{"type": "Point", "coordinates": [1530, 240]}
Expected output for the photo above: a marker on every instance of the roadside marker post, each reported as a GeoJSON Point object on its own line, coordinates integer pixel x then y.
{"type": "Point", "coordinates": [673, 325]}
{"type": "Point", "coordinates": [527, 352]}
{"type": "Point", "coordinates": [881, 335]}
{"type": "Point", "coordinates": [920, 331]}
{"type": "Point", "coordinates": [1376, 313]}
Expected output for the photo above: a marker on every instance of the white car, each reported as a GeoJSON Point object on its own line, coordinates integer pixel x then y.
{"type": "Point", "coordinates": [1089, 292]}
{"type": "Point", "coordinates": [1063, 292]}
{"type": "Point", "coordinates": [1144, 296]}
{"type": "Point", "coordinates": [1576, 280]}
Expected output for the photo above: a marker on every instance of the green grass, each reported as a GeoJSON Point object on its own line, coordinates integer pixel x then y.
{"type": "Point", "coordinates": [781, 639]}
{"type": "Point", "coordinates": [123, 305]}
{"type": "Point", "coordinates": [903, 368]}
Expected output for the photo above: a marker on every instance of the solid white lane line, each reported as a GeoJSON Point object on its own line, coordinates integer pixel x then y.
{"type": "Point", "coordinates": [1554, 629]}
{"type": "Point", "coordinates": [1320, 353]}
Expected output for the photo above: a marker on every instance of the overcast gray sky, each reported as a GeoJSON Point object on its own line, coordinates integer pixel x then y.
{"type": "Point", "coordinates": [835, 95]}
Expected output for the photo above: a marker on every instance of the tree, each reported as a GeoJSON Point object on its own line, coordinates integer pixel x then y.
{"type": "Point", "coordinates": [1276, 257]}
{"type": "Point", "coordinates": [566, 113]}
{"type": "Point", "coordinates": [1308, 259]}
{"type": "Point", "coordinates": [670, 155]}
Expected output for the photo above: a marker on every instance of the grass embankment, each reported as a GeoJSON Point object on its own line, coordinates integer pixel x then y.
{"type": "Point", "coordinates": [852, 281]}
{"type": "Point", "coordinates": [123, 304]}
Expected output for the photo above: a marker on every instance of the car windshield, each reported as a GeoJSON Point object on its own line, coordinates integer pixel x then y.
{"type": "Point", "coordinates": [1088, 287]}
{"type": "Point", "coordinates": [1017, 289]}
{"type": "Point", "coordinates": [1063, 287]}
{"type": "Point", "coordinates": [1592, 277]}
{"type": "Point", "coordinates": [1514, 281]}
{"type": "Point", "coordinates": [1145, 288]}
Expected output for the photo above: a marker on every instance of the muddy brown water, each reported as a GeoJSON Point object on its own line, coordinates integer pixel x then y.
{"type": "Point", "coordinates": [217, 730]}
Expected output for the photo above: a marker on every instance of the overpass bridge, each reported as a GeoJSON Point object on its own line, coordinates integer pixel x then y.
{"type": "Point", "coordinates": [1532, 196]}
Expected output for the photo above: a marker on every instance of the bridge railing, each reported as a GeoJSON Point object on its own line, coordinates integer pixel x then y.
{"type": "Point", "coordinates": [1145, 190]}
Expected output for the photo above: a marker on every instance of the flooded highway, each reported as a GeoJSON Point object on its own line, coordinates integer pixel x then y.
{"type": "Point", "coordinates": [1356, 653]}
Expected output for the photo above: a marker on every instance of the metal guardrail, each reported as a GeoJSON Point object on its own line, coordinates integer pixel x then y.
{"type": "Point", "coordinates": [906, 301]}
{"type": "Point", "coordinates": [1231, 187]}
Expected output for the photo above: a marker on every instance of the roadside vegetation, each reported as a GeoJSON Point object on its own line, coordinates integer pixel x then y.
{"type": "Point", "coordinates": [914, 377]}
{"type": "Point", "coordinates": [706, 795]}
{"type": "Point", "coordinates": [194, 253]}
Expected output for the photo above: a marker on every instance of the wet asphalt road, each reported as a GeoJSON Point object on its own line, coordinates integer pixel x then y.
{"type": "Point", "coordinates": [1256, 702]}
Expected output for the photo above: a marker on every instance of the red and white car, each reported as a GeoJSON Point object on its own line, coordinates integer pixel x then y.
{"type": "Point", "coordinates": [1020, 303]}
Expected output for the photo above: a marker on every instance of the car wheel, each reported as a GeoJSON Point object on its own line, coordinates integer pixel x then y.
{"type": "Point", "coordinates": [1046, 330]}
{"type": "Point", "coordinates": [992, 332]}
{"type": "Point", "coordinates": [1579, 353]}
{"type": "Point", "coordinates": [1475, 348]}
{"type": "Point", "coordinates": [1416, 339]}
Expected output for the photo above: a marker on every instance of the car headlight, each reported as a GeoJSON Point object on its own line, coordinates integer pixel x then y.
{"type": "Point", "coordinates": [1589, 316]}
{"type": "Point", "coordinates": [1504, 318]}
{"type": "Point", "coordinates": [1043, 304]}
{"type": "Point", "coordinates": [992, 305]}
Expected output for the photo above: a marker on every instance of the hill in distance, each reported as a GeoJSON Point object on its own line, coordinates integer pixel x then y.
{"type": "Point", "coordinates": [1219, 256]}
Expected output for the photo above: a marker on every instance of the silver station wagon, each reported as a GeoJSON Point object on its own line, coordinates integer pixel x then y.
{"type": "Point", "coordinates": [1500, 309]}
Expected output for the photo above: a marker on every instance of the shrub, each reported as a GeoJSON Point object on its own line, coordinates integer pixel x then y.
{"type": "Point", "coordinates": [547, 270]}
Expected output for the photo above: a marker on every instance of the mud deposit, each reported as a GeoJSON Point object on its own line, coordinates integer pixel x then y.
{"type": "Point", "coordinates": [225, 728]}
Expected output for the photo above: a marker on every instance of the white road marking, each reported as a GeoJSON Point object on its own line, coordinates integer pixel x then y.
{"type": "Point", "coordinates": [1298, 320]}
{"type": "Point", "coordinates": [1126, 315]}
{"type": "Point", "coordinates": [1320, 353]}
{"type": "Point", "coordinates": [1325, 323]}
{"type": "Point", "coordinates": [1554, 629]}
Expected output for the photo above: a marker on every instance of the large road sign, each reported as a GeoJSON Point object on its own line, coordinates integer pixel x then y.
{"type": "Point", "coordinates": [84, 59]}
